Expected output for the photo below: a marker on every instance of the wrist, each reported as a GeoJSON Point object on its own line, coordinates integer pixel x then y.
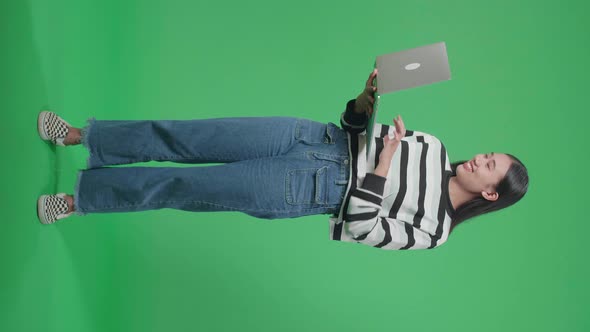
{"type": "Point", "coordinates": [382, 169]}
{"type": "Point", "coordinates": [356, 109]}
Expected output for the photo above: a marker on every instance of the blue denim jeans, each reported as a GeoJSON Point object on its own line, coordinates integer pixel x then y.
{"type": "Point", "coordinates": [272, 167]}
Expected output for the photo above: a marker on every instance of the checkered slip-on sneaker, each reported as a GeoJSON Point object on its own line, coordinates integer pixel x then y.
{"type": "Point", "coordinates": [51, 208]}
{"type": "Point", "coordinates": [52, 128]}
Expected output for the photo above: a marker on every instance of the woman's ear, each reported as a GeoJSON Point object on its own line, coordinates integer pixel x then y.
{"type": "Point", "coordinates": [493, 196]}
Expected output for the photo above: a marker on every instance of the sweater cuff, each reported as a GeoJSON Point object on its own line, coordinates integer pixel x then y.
{"type": "Point", "coordinates": [374, 183]}
{"type": "Point", "coordinates": [353, 118]}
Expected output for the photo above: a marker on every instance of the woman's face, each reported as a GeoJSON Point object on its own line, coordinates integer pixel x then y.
{"type": "Point", "coordinates": [483, 172]}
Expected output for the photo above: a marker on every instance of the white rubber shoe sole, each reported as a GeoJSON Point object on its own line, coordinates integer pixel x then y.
{"type": "Point", "coordinates": [51, 208]}
{"type": "Point", "coordinates": [52, 127]}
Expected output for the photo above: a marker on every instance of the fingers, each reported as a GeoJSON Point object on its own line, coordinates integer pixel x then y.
{"type": "Point", "coordinates": [398, 134]}
{"type": "Point", "coordinates": [370, 90]}
{"type": "Point", "coordinates": [366, 96]}
{"type": "Point", "coordinates": [401, 122]}
{"type": "Point", "coordinates": [371, 77]}
{"type": "Point", "coordinates": [399, 125]}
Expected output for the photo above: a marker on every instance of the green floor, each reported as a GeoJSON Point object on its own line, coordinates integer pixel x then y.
{"type": "Point", "coordinates": [519, 85]}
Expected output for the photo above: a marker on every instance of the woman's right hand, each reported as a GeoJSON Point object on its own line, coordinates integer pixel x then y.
{"type": "Point", "coordinates": [365, 100]}
{"type": "Point", "coordinates": [390, 144]}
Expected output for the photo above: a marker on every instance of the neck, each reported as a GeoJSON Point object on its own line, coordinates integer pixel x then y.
{"type": "Point", "coordinates": [457, 194]}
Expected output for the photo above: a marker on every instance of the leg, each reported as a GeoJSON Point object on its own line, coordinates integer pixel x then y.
{"type": "Point", "coordinates": [217, 140]}
{"type": "Point", "coordinates": [269, 188]}
{"type": "Point", "coordinates": [73, 137]}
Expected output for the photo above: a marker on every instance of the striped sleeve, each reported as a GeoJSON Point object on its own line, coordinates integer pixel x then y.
{"type": "Point", "coordinates": [352, 122]}
{"type": "Point", "coordinates": [363, 223]}
{"type": "Point", "coordinates": [364, 206]}
{"type": "Point", "coordinates": [394, 234]}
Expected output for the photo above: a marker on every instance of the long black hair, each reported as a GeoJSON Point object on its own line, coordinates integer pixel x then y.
{"type": "Point", "coordinates": [510, 189]}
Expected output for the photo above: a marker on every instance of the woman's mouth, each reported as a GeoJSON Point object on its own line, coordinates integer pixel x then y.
{"type": "Point", "coordinates": [468, 166]}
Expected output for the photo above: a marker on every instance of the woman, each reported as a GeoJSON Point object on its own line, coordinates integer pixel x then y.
{"type": "Point", "coordinates": [406, 195]}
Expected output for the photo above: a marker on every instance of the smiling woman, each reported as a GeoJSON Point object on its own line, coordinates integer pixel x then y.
{"type": "Point", "coordinates": [406, 195]}
{"type": "Point", "coordinates": [479, 176]}
{"type": "Point", "coordinates": [486, 183]}
{"type": "Point", "coordinates": [418, 198]}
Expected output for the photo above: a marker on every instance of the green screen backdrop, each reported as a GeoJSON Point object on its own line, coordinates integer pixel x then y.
{"type": "Point", "coordinates": [519, 85]}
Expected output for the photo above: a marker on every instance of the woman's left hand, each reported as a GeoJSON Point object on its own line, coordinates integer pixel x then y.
{"type": "Point", "coordinates": [364, 102]}
{"type": "Point", "coordinates": [390, 144]}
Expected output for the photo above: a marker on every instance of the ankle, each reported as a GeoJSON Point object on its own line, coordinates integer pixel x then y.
{"type": "Point", "coordinates": [70, 200]}
{"type": "Point", "coordinates": [73, 137]}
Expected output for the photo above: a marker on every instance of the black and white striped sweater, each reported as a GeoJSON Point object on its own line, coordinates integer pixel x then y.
{"type": "Point", "coordinates": [411, 208]}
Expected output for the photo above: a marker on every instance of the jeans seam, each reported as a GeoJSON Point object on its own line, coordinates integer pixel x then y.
{"type": "Point", "coordinates": [205, 202]}
{"type": "Point", "coordinates": [177, 158]}
{"type": "Point", "coordinates": [297, 128]}
{"type": "Point", "coordinates": [164, 158]}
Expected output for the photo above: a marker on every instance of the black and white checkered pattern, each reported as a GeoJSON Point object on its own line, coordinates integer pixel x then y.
{"type": "Point", "coordinates": [51, 208]}
{"type": "Point", "coordinates": [53, 127]}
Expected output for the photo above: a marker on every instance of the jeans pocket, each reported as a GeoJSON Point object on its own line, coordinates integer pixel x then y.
{"type": "Point", "coordinates": [313, 132]}
{"type": "Point", "coordinates": [307, 186]}
{"type": "Point", "coordinates": [327, 156]}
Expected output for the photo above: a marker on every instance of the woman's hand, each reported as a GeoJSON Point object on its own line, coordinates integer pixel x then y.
{"type": "Point", "coordinates": [364, 102]}
{"type": "Point", "coordinates": [391, 144]}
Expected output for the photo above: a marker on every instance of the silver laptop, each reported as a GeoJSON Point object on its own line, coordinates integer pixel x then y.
{"type": "Point", "coordinates": [408, 69]}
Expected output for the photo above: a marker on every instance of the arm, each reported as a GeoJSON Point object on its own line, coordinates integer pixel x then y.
{"type": "Point", "coordinates": [356, 116]}
{"type": "Point", "coordinates": [363, 223]}
{"type": "Point", "coordinates": [352, 121]}
{"type": "Point", "coordinates": [364, 206]}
